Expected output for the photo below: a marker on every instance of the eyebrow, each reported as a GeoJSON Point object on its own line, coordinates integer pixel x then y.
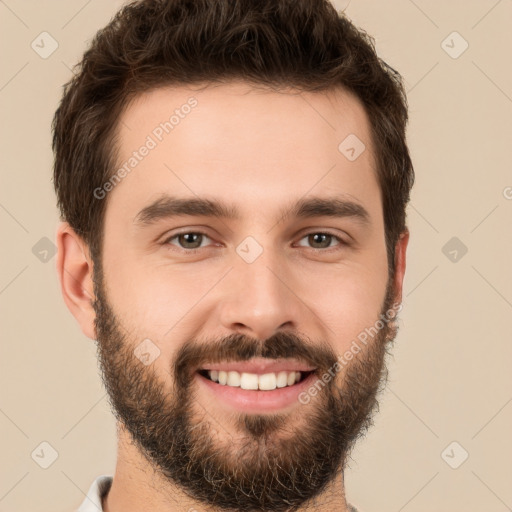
{"type": "Point", "coordinates": [167, 207]}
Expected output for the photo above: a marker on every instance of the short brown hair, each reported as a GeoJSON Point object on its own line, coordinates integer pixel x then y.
{"type": "Point", "coordinates": [305, 44]}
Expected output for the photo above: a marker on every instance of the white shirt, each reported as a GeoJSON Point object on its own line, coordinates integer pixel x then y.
{"type": "Point", "coordinates": [100, 488]}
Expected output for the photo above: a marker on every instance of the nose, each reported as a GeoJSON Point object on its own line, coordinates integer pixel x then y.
{"type": "Point", "coordinates": [259, 299]}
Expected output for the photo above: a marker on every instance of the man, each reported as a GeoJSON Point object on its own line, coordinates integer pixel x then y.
{"type": "Point", "coordinates": [232, 179]}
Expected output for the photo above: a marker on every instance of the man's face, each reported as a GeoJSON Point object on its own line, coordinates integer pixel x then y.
{"type": "Point", "coordinates": [269, 291]}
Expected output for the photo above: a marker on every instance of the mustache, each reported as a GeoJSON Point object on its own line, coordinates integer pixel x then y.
{"type": "Point", "coordinates": [238, 347]}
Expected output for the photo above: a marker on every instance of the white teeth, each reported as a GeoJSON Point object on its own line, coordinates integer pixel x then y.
{"type": "Point", "coordinates": [233, 379]}
{"type": "Point", "coordinates": [282, 379]}
{"type": "Point", "coordinates": [267, 381]}
{"type": "Point", "coordinates": [249, 381]}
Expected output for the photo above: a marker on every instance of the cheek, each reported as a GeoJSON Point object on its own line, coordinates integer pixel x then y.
{"type": "Point", "coordinates": [349, 302]}
{"type": "Point", "coordinates": [146, 295]}
{"type": "Point", "coordinates": [155, 303]}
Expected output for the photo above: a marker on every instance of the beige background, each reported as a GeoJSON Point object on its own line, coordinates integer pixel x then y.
{"type": "Point", "coordinates": [450, 378]}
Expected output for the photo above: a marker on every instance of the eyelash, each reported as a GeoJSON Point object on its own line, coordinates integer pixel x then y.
{"type": "Point", "coordinates": [342, 242]}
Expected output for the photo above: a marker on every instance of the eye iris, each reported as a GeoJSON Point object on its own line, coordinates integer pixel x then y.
{"type": "Point", "coordinates": [190, 238]}
{"type": "Point", "coordinates": [320, 238]}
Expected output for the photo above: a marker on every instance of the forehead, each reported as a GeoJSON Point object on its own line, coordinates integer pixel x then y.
{"type": "Point", "coordinates": [256, 147]}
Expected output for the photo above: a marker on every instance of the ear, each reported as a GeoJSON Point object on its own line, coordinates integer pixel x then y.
{"type": "Point", "coordinates": [75, 271]}
{"type": "Point", "coordinates": [400, 250]}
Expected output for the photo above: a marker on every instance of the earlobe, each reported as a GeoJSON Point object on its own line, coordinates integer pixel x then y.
{"type": "Point", "coordinates": [400, 264]}
{"type": "Point", "coordinates": [75, 271]}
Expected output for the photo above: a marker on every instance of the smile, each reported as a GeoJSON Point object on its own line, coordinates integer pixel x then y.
{"type": "Point", "coordinates": [258, 385]}
{"type": "Point", "coordinates": [263, 382]}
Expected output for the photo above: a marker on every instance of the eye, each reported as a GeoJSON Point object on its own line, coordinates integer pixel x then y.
{"type": "Point", "coordinates": [189, 240]}
{"type": "Point", "coordinates": [192, 241]}
{"type": "Point", "coordinates": [322, 240]}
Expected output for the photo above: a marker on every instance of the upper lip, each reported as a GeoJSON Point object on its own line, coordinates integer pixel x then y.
{"type": "Point", "coordinates": [260, 365]}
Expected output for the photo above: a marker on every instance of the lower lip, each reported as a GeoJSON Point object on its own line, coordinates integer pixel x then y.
{"type": "Point", "coordinates": [247, 400]}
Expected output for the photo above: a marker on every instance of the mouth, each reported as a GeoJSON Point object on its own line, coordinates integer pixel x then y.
{"type": "Point", "coordinates": [254, 381]}
{"type": "Point", "coordinates": [255, 386]}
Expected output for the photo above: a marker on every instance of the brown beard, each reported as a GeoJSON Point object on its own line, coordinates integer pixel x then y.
{"type": "Point", "coordinates": [278, 466]}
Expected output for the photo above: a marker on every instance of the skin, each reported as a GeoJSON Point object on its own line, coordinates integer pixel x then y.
{"type": "Point", "coordinates": [260, 151]}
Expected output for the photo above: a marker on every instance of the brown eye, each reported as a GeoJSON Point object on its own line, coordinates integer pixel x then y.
{"type": "Point", "coordinates": [320, 240]}
{"type": "Point", "coordinates": [188, 240]}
